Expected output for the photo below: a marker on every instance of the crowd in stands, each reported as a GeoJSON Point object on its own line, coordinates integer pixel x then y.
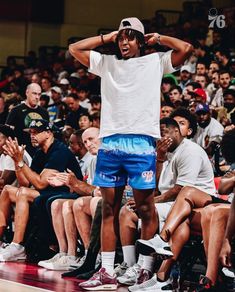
{"type": "Point", "coordinates": [49, 140]}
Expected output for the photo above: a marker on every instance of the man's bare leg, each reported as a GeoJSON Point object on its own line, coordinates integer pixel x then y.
{"type": "Point", "coordinates": [187, 199]}
{"type": "Point", "coordinates": [83, 219]}
{"type": "Point", "coordinates": [7, 197]}
{"type": "Point", "coordinates": [178, 240]}
{"type": "Point", "coordinates": [214, 218]}
{"type": "Point", "coordinates": [70, 227]}
{"type": "Point", "coordinates": [58, 224]}
{"type": "Point", "coordinates": [144, 200]}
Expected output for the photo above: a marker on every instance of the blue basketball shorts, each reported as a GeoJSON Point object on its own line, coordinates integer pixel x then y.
{"type": "Point", "coordinates": [126, 157]}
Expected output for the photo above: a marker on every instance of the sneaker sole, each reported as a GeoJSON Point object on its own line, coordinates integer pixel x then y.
{"type": "Point", "coordinates": [106, 287]}
{"type": "Point", "coordinates": [13, 260]}
{"type": "Point", "coordinates": [146, 249]}
{"type": "Point", "coordinates": [125, 282]}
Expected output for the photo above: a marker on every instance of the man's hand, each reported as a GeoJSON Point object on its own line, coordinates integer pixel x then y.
{"type": "Point", "coordinates": [162, 147]}
{"type": "Point", "coordinates": [152, 38]}
{"type": "Point", "coordinates": [225, 254]}
{"type": "Point", "coordinates": [130, 205]}
{"type": "Point", "coordinates": [110, 37]}
{"type": "Point", "coordinates": [13, 149]}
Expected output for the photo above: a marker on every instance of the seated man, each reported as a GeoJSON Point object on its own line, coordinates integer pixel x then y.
{"type": "Point", "coordinates": [177, 171]}
{"type": "Point", "coordinates": [51, 157]}
{"type": "Point", "coordinates": [7, 166]}
{"type": "Point", "coordinates": [64, 215]}
{"type": "Point", "coordinates": [212, 220]}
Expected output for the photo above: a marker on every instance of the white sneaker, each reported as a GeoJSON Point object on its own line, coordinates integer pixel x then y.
{"type": "Point", "coordinates": [131, 275]}
{"type": "Point", "coordinates": [78, 264]}
{"type": "Point", "coordinates": [51, 260]}
{"type": "Point", "coordinates": [62, 264]}
{"type": "Point", "coordinates": [120, 269]}
{"type": "Point", "coordinates": [12, 252]}
{"type": "Point", "coordinates": [154, 246]}
{"type": "Point", "coordinates": [152, 285]}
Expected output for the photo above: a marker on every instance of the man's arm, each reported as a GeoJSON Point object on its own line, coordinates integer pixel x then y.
{"type": "Point", "coordinates": [69, 179]}
{"type": "Point", "coordinates": [169, 195]}
{"type": "Point", "coordinates": [227, 183]}
{"type": "Point", "coordinates": [81, 49]}
{"type": "Point", "coordinates": [181, 50]}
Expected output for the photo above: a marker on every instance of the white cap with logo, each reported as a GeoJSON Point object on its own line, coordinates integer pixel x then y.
{"type": "Point", "coordinates": [131, 23]}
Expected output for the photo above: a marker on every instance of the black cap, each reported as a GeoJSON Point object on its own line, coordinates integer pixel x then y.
{"type": "Point", "coordinates": [43, 125]}
{"type": "Point", "coordinates": [7, 131]}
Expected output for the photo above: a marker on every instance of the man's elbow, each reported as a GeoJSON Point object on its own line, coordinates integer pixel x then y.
{"type": "Point", "coordinates": [71, 49]}
{"type": "Point", "coordinates": [188, 49]}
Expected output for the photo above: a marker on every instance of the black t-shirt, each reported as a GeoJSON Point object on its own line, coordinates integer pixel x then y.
{"type": "Point", "coordinates": [73, 117]}
{"type": "Point", "coordinates": [58, 157]}
{"type": "Point", "coordinates": [20, 117]}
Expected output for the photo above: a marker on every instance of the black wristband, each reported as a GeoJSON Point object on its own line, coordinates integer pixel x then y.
{"type": "Point", "coordinates": [102, 38]}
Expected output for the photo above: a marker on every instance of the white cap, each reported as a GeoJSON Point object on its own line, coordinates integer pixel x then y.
{"type": "Point", "coordinates": [186, 68]}
{"type": "Point", "coordinates": [131, 23]}
{"type": "Point", "coordinates": [64, 81]}
{"type": "Point", "coordinates": [56, 89]}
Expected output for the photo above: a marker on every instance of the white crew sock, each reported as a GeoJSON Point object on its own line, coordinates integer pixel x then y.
{"type": "Point", "coordinates": [129, 255]}
{"type": "Point", "coordinates": [108, 261]}
{"type": "Point", "coordinates": [140, 260]}
{"type": "Point", "coordinates": [148, 263]}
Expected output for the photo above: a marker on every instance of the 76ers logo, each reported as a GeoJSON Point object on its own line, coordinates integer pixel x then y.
{"type": "Point", "coordinates": [147, 175]}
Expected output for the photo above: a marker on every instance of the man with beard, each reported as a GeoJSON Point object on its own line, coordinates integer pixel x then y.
{"type": "Point", "coordinates": [208, 128]}
{"type": "Point", "coordinates": [226, 115]}
{"type": "Point", "coordinates": [224, 82]}
{"type": "Point", "coordinates": [51, 157]}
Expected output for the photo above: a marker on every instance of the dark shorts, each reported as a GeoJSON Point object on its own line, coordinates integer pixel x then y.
{"type": "Point", "coordinates": [216, 200]}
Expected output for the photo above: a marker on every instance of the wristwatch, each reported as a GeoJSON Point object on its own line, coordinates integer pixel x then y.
{"type": "Point", "coordinates": [20, 164]}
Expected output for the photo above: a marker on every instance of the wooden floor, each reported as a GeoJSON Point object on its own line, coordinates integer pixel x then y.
{"type": "Point", "coordinates": [23, 277]}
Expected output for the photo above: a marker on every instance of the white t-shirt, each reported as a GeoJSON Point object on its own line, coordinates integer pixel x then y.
{"type": "Point", "coordinates": [84, 163]}
{"type": "Point", "coordinates": [213, 131]}
{"type": "Point", "coordinates": [130, 92]}
{"type": "Point", "coordinates": [218, 100]}
{"type": "Point", "coordinates": [91, 170]}
{"type": "Point", "coordinates": [188, 165]}
{"type": "Point", "coordinates": [7, 163]}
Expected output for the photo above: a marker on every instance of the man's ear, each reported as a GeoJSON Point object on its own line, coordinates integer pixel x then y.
{"type": "Point", "coordinates": [189, 132]}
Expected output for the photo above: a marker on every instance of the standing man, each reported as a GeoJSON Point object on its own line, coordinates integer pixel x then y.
{"type": "Point", "coordinates": [21, 116]}
{"type": "Point", "coordinates": [130, 90]}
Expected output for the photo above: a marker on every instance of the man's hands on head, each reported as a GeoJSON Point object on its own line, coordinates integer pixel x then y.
{"type": "Point", "coordinates": [152, 38]}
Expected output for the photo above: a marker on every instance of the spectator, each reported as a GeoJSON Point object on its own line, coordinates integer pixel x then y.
{"type": "Point", "coordinates": [21, 116]}
{"type": "Point", "coordinates": [75, 111]}
{"type": "Point", "coordinates": [185, 76]}
{"type": "Point", "coordinates": [208, 128]}
{"type": "Point", "coordinates": [224, 83]}
{"type": "Point", "coordinates": [85, 122]}
{"type": "Point", "coordinates": [51, 157]}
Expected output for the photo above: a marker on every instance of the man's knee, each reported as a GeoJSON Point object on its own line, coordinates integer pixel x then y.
{"type": "Point", "coordinates": [146, 211]}
{"type": "Point", "coordinates": [67, 208]}
{"type": "Point", "coordinates": [56, 206]}
{"type": "Point", "coordinates": [78, 205]}
{"type": "Point", "coordinates": [126, 216]}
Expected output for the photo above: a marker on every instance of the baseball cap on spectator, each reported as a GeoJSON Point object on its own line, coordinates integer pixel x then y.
{"type": "Point", "coordinates": [200, 92]}
{"type": "Point", "coordinates": [64, 81]}
{"type": "Point", "coordinates": [95, 99]}
{"type": "Point", "coordinates": [186, 68]}
{"type": "Point", "coordinates": [7, 131]}
{"type": "Point", "coordinates": [56, 89]}
{"type": "Point", "coordinates": [43, 125]}
{"type": "Point", "coordinates": [202, 108]}
{"type": "Point", "coordinates": [131, 23]}
{"type": "Point", "coordinates": [75, 75]}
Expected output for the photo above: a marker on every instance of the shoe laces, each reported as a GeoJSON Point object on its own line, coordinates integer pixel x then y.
{"type": "Point", "coordinates": [134, 270]}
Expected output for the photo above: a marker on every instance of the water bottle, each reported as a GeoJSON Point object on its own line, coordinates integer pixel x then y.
{"type": "Point", "coordinates": [128, 192]}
